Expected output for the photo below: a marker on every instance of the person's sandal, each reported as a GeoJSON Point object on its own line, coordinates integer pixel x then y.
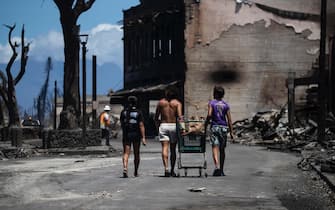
{"type": "Point", "coordinates": [216, 172]}
{"type": "Point", "coordinates": [173, 174]}
{"type": "Point", "coordinates": [166, 173]}
{"type": "Point", "coordinates": [125, 173]}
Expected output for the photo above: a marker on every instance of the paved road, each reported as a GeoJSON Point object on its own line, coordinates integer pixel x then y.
{"type": "Point", "coordinates": [256, 179]}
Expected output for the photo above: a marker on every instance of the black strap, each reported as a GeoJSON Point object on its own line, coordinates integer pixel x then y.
{"type": "Point", "coordinates": [128, 117]}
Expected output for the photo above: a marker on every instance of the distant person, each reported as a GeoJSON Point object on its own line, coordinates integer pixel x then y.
{"type": "Point", "coordinates": [133, 130]}
{"type": "Point", "coordinates": [220, 119]}
{"type": "Point", "coordinates": [168, 110]}
{"type": "Point", "coordinates": [105, 123]}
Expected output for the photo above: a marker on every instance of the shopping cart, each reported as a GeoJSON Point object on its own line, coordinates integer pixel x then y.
{"type": "Point", "coordinates": [193, 140]}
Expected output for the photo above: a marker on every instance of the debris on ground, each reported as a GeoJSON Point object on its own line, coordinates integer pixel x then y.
{"type": "Point", "coordinates": [196, 189]}
{"type": "Point", "coordinates": [271, 129]}
{"type": "Point", "coordinates": [16, 152]}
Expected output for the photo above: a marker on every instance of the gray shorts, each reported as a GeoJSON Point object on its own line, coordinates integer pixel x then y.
{"type": "Point", "coordinates": [168, 132]}
{"type": "Point", "coordinates": [218, 135]}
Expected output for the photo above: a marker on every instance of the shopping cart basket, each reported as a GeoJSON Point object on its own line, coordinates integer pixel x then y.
{"type": "Point", "coordinates": [193, 140]}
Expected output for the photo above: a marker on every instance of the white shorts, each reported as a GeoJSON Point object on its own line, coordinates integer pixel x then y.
{"type": "Point", "coordinates": [167, 132]}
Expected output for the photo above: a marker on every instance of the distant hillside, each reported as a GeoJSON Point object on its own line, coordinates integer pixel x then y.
{"type": "Point", "coordinates": [109, 76]}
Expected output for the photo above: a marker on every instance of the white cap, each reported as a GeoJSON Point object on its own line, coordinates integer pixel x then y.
{"type": "Point", "coordinates": [107, 108]}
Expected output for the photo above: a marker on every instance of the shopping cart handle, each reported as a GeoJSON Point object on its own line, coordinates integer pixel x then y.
{"type": "Point", "coordinates": [184, 133]}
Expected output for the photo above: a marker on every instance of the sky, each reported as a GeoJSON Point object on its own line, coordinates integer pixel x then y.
{"type": "Point", "coordinates": [43, 31]}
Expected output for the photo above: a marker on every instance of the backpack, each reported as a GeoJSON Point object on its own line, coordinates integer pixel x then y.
{"type": "Point", "coordinates": [131, 120]}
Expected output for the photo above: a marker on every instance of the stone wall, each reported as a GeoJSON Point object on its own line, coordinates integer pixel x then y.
{"type": "Point", "coordinates": [71, 138]}
{"type": "Point", "coordinates": [19, 133]}
{"type": "Point", "coordinates": [14, 134]}
{"type": "Point", "coordinates": [31, 133]}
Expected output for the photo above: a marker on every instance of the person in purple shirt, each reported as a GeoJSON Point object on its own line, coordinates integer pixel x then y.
{"type": "Point", "coordinates": [220, 119]}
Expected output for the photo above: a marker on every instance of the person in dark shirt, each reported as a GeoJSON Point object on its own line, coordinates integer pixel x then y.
{"type": "Point", "coordinates": [133, 130]}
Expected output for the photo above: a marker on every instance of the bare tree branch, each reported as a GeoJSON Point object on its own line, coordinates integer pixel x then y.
{"type": "Point", "coordinates": [82, 6]}
{"type": "Point", "coordinates": [7, 85]}
{"type": "Point", "coordinates": [24, 58]}
{"type": "Point", "coordinates": [11, 29]}
{"type": "Point", "coordinates": [14, 55]}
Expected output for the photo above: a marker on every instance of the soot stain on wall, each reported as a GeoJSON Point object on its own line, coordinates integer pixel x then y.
{"type": "Point", "coordinates": [225, 74]}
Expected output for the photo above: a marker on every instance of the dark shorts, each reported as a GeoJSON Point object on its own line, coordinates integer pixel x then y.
{"type": "Point", "coordinates": [131, 137]}
{"type": "Point", "coordinates": [104, 133]}
{"type": "Point", "coordinates": [218, 135]}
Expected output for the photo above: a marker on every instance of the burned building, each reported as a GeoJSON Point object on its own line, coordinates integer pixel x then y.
{"type": "Point", "coordinates": [153, 51]}
{"type": "Point", "coordinates": [247, 46]}
{"type": "Point", "coordinates": [153, 43]}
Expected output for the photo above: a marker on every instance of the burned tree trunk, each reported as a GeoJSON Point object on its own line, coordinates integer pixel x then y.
{"type": "Point", "coordinates": [8, 81]}
{"type": "Point", "coordinates": [2, 118]}
{"type": "Point", "coordinates": [68, 18]}
{"type": "Point", "coordinates": [42, 97]}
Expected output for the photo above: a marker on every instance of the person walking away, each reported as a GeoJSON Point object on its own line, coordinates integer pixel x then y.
{"type": "Point", "coordinates": [168, 110]}
{"type": "Point", "coordinates": [105, 123]}
{"type": "Point", "coordinates": [133, 130]}
{"type": "Point", "coordinates": [220, 118]}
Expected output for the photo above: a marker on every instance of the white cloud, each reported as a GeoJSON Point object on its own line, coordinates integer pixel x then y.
{"type": "Point", "coordinates": [105, 27]}
{"type": "Point", "coordinates": [40, 48]}
{"type": "Point", "coordinates": [51, 45]}
{"type": "Point", "coordinates": [6, 52]}
{"type": "Point", "coordinates": [105, 41]}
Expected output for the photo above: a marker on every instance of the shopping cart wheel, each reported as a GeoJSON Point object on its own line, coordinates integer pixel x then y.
{"type": "Point", "coordinates": [185, 171]}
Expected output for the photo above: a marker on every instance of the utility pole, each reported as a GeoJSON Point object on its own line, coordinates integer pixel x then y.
{"type": "Point", "coordinates": [94, 90]}
{"type": "Point", "coordinates": [55, 111]}
{"type": "Point", "coordinates": [83, 41]}
{"type": "Point", "coordinates": [322, 70]}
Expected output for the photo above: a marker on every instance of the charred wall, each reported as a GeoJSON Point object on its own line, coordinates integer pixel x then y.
{"type": "Point", "coordinates": [154, 43]}
{"type": "Point", "coordinates": [248, 48]}
{"type": "Point", "coordinates": [249, 53]}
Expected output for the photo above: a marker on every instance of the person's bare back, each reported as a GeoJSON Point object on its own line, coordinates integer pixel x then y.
{"type": "Point", "coordinates": [168, 110]}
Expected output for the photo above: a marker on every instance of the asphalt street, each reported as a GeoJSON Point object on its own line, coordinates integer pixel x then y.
{"type": "Point", "coordinates": [256, 178]}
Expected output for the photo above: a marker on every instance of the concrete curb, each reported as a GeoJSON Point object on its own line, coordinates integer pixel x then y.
{"type": "Point", "coordinates": [327, 177]}
{"type": "Point", "coordinates": [96, 150]}
{"type": "Point", "coordinates": [111, 151]}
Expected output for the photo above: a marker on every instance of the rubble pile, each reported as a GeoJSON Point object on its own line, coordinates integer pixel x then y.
{"type": "Point", "coordinates": [271, 129]}
{"type": "Point", "coordinates": [268, 127]}
{"type": "Point", "coordinates": [14, 153]}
